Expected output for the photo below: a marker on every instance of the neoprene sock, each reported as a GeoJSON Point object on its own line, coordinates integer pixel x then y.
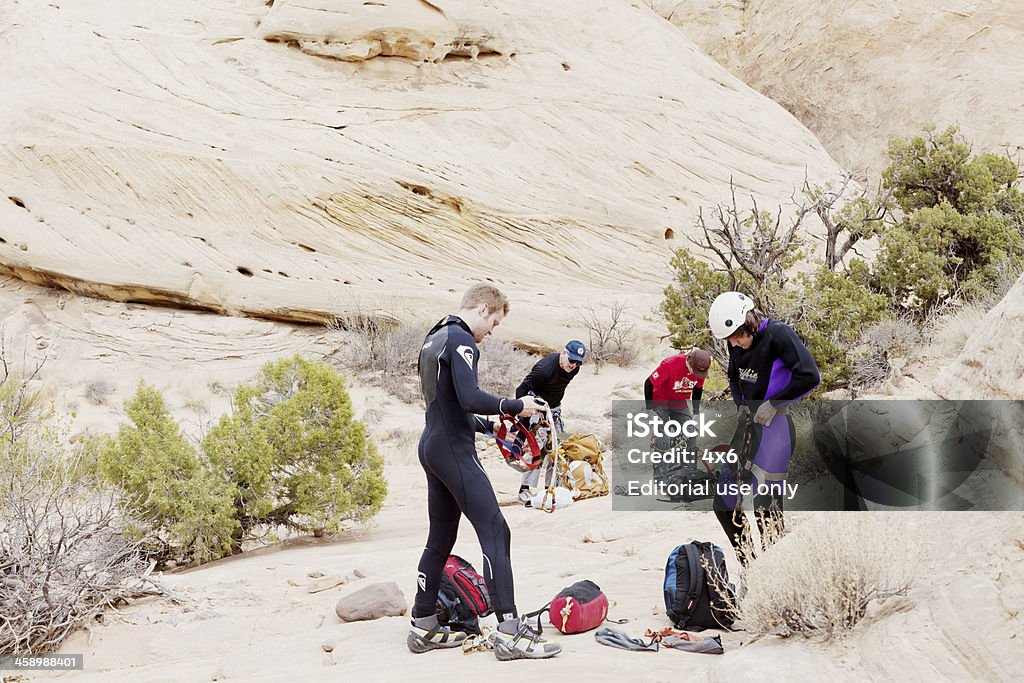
{"type": "Point", "coordinates": [427, 622]}
{"type": "Point", "coordinates": [510, 626]}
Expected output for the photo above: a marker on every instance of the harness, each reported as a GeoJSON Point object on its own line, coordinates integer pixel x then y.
{"type": "Point", "coordinates": [517, 444]}
{"type": "Point", "coordinates": [551, 462]}
{"type": "Point", "coordinates": [520, 450]}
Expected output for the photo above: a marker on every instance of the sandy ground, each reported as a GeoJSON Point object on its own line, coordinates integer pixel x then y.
{"type": "Point", "coordinates": [251, 617]}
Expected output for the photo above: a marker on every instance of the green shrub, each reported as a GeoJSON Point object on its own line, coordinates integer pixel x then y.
{"type": "Point", "coordinates": [289, 454]}
{"type": "Point", "coordinates": [957, 237]}
{"type": "Point", "coordinates": [831, 310]}
{"type": "Point", "coordinates": [827, 309]}
{"type": "Point", "coordinates": [688, 297]}
{"type": "Point", "coordinates": [168, 484]}
{"type": "Point", "coordinates": [962, 224]}
{"type": "Point", "coordinates": [293, 452]}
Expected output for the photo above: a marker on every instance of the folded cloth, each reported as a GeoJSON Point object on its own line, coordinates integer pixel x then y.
{"type": "Point", "coordinates": [614, 637]}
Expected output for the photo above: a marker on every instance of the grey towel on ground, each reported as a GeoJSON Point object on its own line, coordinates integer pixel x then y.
{"type": "Point", "coordinates": [712, 645]}
{"type": "Point", "coordinates": [614, 637]}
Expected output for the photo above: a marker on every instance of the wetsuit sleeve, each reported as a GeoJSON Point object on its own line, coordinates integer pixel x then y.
{"type": "Point", "coordinates": [462, 361]}
{"type": "Point", "coordinates": [698, 391]}
{"type": "Point", "coordinates": [484, 426]}
{"type": "Point", "coordinates": [534, 379]}
{"type": "Point", "coordinates": [795, 356]}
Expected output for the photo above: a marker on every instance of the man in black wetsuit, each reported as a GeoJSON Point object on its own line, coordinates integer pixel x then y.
{"type": "Point", "coordinates": [548, 380]}
{"type": "Point", "coordinates": [456, 482]}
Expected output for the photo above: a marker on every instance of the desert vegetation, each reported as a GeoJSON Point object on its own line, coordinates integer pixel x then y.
{"type": "Point", "coordinates": [948, 229]}
{"type": "Point", "coordinates": [818, 579]}
{"type": "Point", "coordinates": [290, 455]}
{"type": "Point", "coordinates": [68, 546]}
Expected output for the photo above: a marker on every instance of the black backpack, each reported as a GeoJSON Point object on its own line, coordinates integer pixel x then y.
{"type": "Point", "coordinates": [693, 599]}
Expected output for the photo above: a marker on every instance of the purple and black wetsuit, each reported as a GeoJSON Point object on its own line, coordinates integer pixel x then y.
{"type": "Point", "coordinates": [777, 368]}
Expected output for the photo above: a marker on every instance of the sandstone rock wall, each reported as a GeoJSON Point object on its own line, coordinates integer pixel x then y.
{"type": "Point", "coordinates": [282, 161]}
{"type": "Point", "coordinates": [857, 73]}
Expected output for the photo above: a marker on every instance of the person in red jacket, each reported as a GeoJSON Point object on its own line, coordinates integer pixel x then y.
{"type": "Point", "coordinates": [676, 383]}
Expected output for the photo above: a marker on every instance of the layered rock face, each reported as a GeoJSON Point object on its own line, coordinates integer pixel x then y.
{"type": "Point", "coordinates": [284, 161]}
{"type": "Point", "coordinates": [991, 366]}
{"type": "Point", "coordinates": [857, 73]}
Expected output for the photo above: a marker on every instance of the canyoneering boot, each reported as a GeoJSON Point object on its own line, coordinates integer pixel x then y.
{"type": "Point", "coordinates": [427, 634]}
{"type": "Point", "coordinates": [515, 639]}
{"type": "Point", "coordinates": [526, 496]}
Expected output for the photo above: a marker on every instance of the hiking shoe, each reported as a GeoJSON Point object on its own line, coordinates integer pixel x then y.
{"type": "Point", "coordinates": [525, 644]}
{"type": "Point", "coordinates": [421, 640]}
{"type": "Point", "coordinates": [525, 497]}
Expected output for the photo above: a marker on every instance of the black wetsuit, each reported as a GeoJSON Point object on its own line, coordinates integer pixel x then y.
{"type": "Point", "coordinates": [778, 368]}
{"type": "Point", "coordinates": [456, 482]}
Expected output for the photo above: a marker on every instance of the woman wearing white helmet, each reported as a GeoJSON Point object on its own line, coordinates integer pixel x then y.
{"type": "Point", "coordinates": [769, 368]}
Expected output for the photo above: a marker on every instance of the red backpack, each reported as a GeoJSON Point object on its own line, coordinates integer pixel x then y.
{"type": "Point", "coordinates": [464, 590]}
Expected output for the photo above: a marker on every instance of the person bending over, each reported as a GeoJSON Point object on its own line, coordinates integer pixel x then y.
{"type": "Point", "coordinates": [548, 380]}
{"type": "Point", "coordinates": [677, 382]}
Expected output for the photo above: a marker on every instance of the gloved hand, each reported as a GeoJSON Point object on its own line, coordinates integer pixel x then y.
{"type": "Point", "coordinates": [765, 413]}
{"type": "Point", "coordinates": [531, 405]}
{"type": "Point", "coordinates": [744, 413]}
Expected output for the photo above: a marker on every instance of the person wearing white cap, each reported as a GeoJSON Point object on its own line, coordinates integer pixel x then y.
{"type": "Point", "coordinates": [769, 368]}
{"type": "Point", "coordinates": [548, 380]}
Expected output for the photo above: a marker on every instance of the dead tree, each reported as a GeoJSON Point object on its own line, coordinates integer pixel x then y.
{"type": "Point", "coordinates": [752, 242]}
{"type": "Point", "coordinates": [860, 217]}
{"type": "Point", "coordinates": [610, 338]}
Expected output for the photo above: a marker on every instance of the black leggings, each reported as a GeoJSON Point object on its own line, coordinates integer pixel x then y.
{"type": "Point", "coordinates": [457, 485]}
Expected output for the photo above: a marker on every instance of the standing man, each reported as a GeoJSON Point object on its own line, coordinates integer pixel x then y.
{"type": "Point", "coordinates": [456, 482]}
{"type": "Point", "coordinates": [769, 368]}
{"type": "Point", "coordinates": [678, 381]}
{"type": "Point", "coordinates": [547, 380]}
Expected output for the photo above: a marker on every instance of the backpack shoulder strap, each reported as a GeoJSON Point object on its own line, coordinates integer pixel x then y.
{"type": "Point", "coordinates": [696, 582]}
{"type": "Point", "coordinates": [536, 613]}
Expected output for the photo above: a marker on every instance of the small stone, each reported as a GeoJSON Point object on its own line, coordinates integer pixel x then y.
{"type": "Point", "coordinates": [314, 574]}
{"type": "Point", "coordinates": [328, 646]}
{"type": "Point", "coordinates": [359, 574]}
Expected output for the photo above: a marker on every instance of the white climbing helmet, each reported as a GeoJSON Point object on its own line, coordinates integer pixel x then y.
{"type": "Point", "coordinates": [728, 312]}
